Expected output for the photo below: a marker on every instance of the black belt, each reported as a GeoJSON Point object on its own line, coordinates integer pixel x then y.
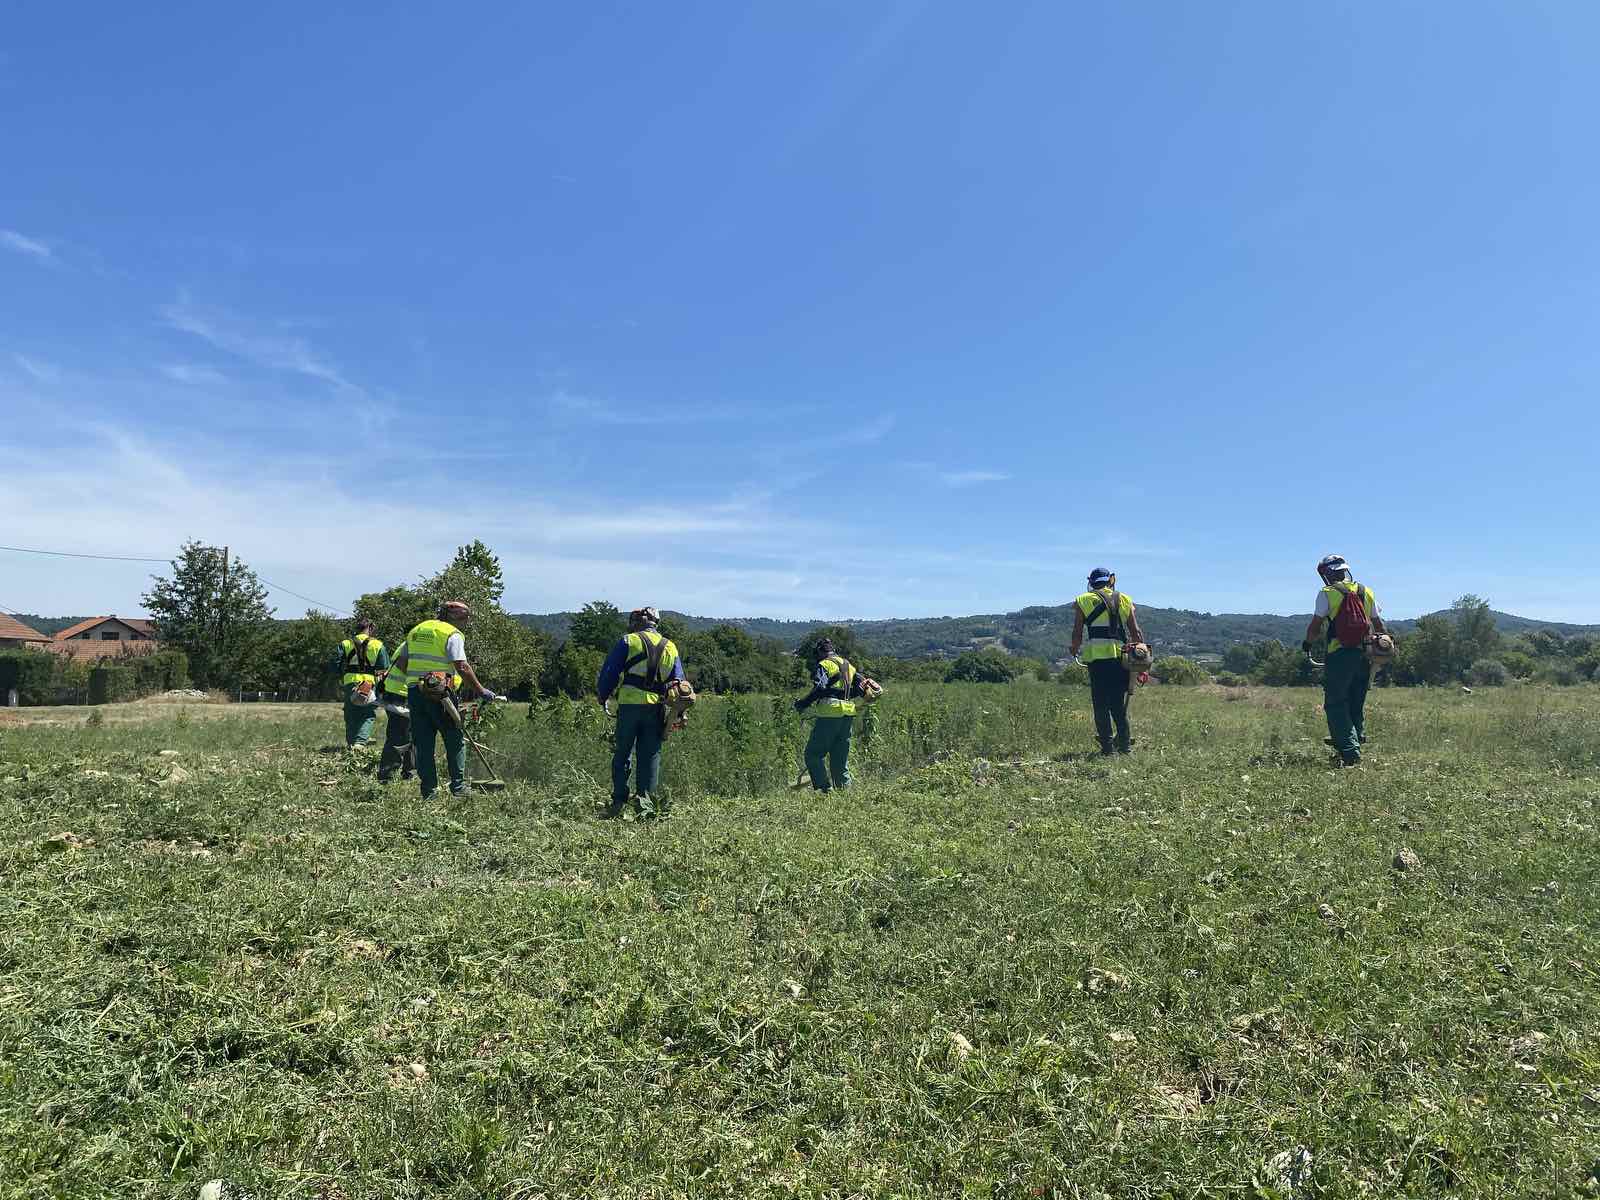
{"type": "Point", "coordinates": [1103, 635]}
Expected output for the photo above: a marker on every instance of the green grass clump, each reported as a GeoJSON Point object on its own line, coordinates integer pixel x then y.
{"type": "Point", "coordinates": [998, 967]}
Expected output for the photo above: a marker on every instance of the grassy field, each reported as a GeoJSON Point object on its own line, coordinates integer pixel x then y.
{"type": "Point", "coordinates": [1011, 970]}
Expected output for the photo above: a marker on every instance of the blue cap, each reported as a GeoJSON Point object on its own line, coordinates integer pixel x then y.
{"type": "Point", "coordinates": [1100, 575]}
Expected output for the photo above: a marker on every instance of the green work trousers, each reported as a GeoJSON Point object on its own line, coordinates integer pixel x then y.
{"type": "Point", "coordinates": [828, 753]}
{"type": "Point", "coordinates": [638, 736]}
{"type": "Point", "coordinates": [397, 750]}
{"type": "Point", "coordinates": [427, 719]}
{"type": "Point", "coordinates": [358, 719]}
{"type": "Point", "coordinates": [1108, 692]}
{"type": "Point", "coordinates": [1345, 681]}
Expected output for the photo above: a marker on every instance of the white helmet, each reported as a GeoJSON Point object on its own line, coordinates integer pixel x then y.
{"type": "Point", "coordinates": [1333, 567]}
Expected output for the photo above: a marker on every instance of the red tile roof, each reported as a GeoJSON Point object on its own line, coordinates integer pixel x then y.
{"type": "Point", "coordinates": [137, 624]}
{"type": "Point", "coordinates": [14, 630]}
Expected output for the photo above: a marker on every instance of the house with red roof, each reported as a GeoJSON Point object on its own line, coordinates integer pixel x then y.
{"type": "Point", "coordinates": [106, 637]}
{"type": "Point", "coordinates": [14, 635]}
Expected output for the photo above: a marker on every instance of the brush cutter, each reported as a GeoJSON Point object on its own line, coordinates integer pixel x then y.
{"type": "Point", "coordinates": [471, 716]}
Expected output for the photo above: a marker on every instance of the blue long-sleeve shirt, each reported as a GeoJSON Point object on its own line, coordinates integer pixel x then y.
{"type": "Point", "coordinates": [611, 670]}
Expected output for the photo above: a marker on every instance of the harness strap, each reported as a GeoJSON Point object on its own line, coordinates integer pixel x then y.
{"type": "Point", "coordinates": [651, 657]}
{"type": "Point", "coordinates": [840, 689]}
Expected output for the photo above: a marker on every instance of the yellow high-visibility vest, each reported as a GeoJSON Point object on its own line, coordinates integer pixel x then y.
{"type": "Point", "coordinates": [649, 665]}
{"type": "Point", "coordinates": [1099, 641]}
{"type": "Point", "coordinates": [360, 657]}
{"type": "Point", "coordinates": [425, 646]}
{"type": "Point", "coordinates": [836, 701]}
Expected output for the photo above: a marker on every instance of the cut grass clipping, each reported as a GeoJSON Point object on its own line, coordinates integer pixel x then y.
{"type": "Point", "coordinates": [997, 967]}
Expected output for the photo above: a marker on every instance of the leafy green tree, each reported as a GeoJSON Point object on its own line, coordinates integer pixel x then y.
{"type": "Point", "coordinates": [1428, 654]}
{"type": "Point", "coordinates": [1240, 658]}
{"type": "Point", "coordinates": [296, 654]}
{"type": "Point", "coordinates": [572, 672]}
{"type": "Point", "coordinates": [1488, 672]}
{"type": "Point", "coordinates": [502, 649]}
{"type": "Point", "coordinates": [219, 625]}
{"type": "Point", "coordinates": [394, 612]}
{"type": "Point", "coordinates": [1476, 638]}
{"type": "Point", "coordinates": [597, 626]}
{"type": "Point", "coordinates": [982, 666]}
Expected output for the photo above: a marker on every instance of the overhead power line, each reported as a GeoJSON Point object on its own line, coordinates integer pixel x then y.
{"type": "Point", "coordinates": [148, 559]}
{"type": "Point", "coordinates": [70, 554]}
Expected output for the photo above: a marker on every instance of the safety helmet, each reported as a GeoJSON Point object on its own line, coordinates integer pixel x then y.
{"type": "Point", "coordinates": [455, 606]}
{"type": "Point", "coordinates": [1333, 567]}
{"type": "Point", "coordinates": [1101, 576]}
{"type": "Point", "coordinates": [642, 618]}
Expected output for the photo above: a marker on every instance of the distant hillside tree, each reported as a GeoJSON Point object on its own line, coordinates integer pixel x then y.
{"type": "Point", "coordinates": [221, 625]}
{"type": "Point", "coordinates": [597, 626]}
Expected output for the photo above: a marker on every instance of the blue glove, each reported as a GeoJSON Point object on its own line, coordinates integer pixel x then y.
{"type": "Point", "coordinates": [488, 695]}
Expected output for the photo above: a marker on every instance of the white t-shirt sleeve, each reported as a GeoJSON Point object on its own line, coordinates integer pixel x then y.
{"type": "Point", "coordinates": [455, 648]}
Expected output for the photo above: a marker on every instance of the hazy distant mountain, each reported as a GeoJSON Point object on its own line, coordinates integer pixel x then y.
{"type": "Point", "coordinates": [1042, 631]}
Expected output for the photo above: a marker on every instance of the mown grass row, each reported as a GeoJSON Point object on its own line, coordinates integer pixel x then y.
{"type": "Point", "coordinates": [1043, 975]}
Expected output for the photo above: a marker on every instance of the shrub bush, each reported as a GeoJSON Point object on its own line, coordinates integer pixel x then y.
{"type": "Point", "coordinates": [1074, 674]}
{"type": "Point", "coordinates": [1488, 672]}
{"type": "Point", "coordinates": [1229, 680]}
{"type": "Point", "coordinates": [30, 672]}
{"type": "Point", "coordinates": [1174, 668]}
{"type": "Point", "coordinates": [983, 666]}
{"type": "Point", "coordinates": [108, 685]}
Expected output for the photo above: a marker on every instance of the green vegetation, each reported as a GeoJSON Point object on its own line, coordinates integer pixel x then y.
{"type": "Point", "coordinates": [999, 967]}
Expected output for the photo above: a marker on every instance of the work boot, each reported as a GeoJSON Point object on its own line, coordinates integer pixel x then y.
{"type": "Point", "coordinates": [613, 811]}
{"type": "Point", "coordinates": [1106, 750]}
{"type": "Point", "coordinates": [1353, 759]}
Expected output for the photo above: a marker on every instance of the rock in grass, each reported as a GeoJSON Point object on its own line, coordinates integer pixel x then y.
{"type": "Point", "coordinates": [212, 1190]}
{"type": "Point", "coordinates": [1406, 859]}
{"type": "Point", "coordinates": [1325, 911]}
{"type": "Point", "coordinates": [963, 1048]}
{"type": "Point", "coordinates": [178, 775]}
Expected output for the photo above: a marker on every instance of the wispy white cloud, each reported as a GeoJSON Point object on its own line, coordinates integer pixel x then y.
{"type": "Point", "coordinates": [970, 478]}
{"type": "Point", "coordinates": [194, 374]}
{"type": "Point", "coordinates": [42, 372]}
{"type": "Point", "coordinates": [253, 344]}
{"type": "Point", "coordinates": [22, 244]}
{"type": "Point", "coordinates": [581, 407]}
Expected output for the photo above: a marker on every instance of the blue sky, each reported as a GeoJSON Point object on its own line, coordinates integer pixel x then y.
{"type": "Point", "coordinates": [832, 309]}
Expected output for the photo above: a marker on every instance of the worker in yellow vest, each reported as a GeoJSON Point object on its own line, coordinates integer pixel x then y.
{"type": "Point", "coordinates": [637, 671]}
{"type": "Point", "coordinates": [435, 652]}
{"type": "Point", "coordinates": [1105, 619]}
{"type": "Point", "coordinates": [358, 660]}
{"type": "Point", "coordinates": [1349, 610]}
{"type": "Point", "coordinates": [835, 687]}
{"type": "Point", "coordinates": [397, 749]}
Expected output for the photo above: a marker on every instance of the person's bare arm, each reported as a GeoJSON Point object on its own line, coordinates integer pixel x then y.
{"type": "Point", "coordinates": [469, 676]}
{"type": "Point", "coordinates": [1077, 631]}
{"type": "Point", "coordinates": [1314, 631]}
{"type": "Point", "coordinates": [1133, 623]}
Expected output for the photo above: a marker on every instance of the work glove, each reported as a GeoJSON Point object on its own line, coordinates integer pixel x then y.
{"type": "Point", "coordinates": [1305, 646]}
{"type": "Point", "coordinates": [488, 695]}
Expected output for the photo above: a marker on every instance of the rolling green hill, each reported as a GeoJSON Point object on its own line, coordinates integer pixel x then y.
{"type": "Point", "coordinates": [1041, 631]}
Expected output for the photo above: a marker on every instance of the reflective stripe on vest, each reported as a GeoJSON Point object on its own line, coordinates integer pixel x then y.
{"type": "Point", "coordinates": [360, 659]}
{"type": "Point", "coordinates": [1336, 595]}
{"type": "Point", "coordinates": [641, 684]}
{"type": "Point", "coordinates": [425, 649]}
{"type": "Point", "coordinates": [836, 701]}
{"type": "Point", "coordinates": [1100, 640]}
